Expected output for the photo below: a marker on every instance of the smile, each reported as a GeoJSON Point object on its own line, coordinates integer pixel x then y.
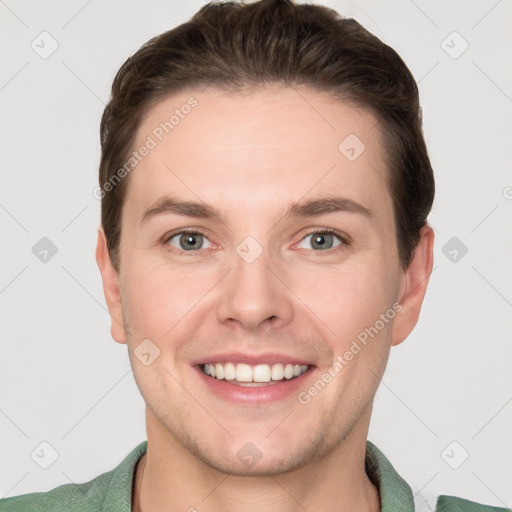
{"type": "Point", "coordinates": [254, 374]}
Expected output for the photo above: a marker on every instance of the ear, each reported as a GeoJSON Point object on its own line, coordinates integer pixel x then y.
{"type": "Point", "coordinates": [110, 278]}
{"type": "Point", "coordinates": [414, 286]}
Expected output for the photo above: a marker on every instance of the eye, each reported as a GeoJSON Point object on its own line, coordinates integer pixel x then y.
{"type": "Point", "coordinates": [323, 240]}
{"type": "Point", "coordinates": [188, 241]}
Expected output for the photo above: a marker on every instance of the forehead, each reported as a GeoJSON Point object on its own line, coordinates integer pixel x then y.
{"type": "Point", "coordinates": [258, 148]}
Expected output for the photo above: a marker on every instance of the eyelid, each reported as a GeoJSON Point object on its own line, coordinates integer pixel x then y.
{"type": "Point", "coordinates": [182, 231]}
{"type": "Point", "coordinates": [344, 239]}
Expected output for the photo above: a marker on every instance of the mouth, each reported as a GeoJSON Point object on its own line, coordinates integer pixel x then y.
{"type": "Point", "coordinates": [247, 375]}
{"type": "Point", "coordinates": [250, 379]}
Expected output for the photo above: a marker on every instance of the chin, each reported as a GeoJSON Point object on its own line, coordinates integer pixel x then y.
{"type": "Point", "coordinates": [258, 458]}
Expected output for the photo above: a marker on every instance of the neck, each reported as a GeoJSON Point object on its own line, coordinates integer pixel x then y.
{"type": "Point", "coordinates": [169, 477]}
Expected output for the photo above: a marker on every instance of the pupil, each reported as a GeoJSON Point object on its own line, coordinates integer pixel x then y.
{"type": "Point", "coordinates": [190, 241]}
{"type": "Point", "coordinates": [320, 240]}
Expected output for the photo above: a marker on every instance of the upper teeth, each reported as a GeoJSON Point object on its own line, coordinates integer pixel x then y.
{"type": "Point", "coordinates": [259, 373]}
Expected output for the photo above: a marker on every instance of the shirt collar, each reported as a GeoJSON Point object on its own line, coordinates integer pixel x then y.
{"type": "Point", "coordinates": [119, 492]}
{"type": "Point", "coordinates": [395, 493]}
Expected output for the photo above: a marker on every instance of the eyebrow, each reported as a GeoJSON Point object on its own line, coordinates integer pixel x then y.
{"type": "Point", "coordinates": [311, 208]}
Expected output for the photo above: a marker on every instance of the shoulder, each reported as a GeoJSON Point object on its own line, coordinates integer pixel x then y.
{"type": "Point", "coordinates": [86, 497]}
{"type": "Point", "coordinates": [108, 491]}
{"type": "Point", "coordinates": [454, 504]}
{"type": "Point", "coordinates": [396, 494]}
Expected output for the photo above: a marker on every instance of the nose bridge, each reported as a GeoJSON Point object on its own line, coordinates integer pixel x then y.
{"type": "Point", "coordinates": [253, 294]}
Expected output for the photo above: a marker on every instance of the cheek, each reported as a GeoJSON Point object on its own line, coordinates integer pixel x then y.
{"type": "Point", "coordinates": [156, 302]}
{"type": "Point", "coordinates": [156, 298]}
{"type": "Point", "coordinates": [159, 299]}
{"type": "Point", "coordinates": [350, 299]}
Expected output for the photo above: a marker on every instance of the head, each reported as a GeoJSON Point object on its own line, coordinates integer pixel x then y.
{"type": "Point", "coordinates": [250, 112]}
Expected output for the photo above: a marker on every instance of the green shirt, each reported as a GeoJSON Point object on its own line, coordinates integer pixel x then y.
{"type": "Point", "coordinates": [112, 491]}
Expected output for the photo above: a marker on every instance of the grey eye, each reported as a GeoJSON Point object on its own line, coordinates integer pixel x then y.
{"type": "Point", "coordinates": [188, 241]}
{"type": "Point", "coordinates": [321, 241]}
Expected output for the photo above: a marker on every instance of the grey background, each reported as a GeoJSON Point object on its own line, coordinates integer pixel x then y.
{"type": "Point", "coordinates": [66, 383]}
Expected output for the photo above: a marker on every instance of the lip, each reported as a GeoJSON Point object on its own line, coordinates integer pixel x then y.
{"type": "Point", "coordinates": [257, 395]}
{"type": "Point", "coordinates": [251, 359]}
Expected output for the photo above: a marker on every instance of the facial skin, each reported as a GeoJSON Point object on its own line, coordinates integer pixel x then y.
{"type": "Point", "coordinates": [250, 156]}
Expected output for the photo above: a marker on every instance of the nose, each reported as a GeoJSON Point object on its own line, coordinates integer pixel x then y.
{"type": "Point", "coordinates": [254, 294]}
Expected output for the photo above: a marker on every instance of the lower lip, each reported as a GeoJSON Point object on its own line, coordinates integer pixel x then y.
{"type": "Point", "coordinates": [255, 394]}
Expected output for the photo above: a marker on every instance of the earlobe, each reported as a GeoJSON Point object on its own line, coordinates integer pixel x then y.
{"type": "Point", "coordinates": [414, 286]}
{"type": "Point", "coordinates": [110, 279]}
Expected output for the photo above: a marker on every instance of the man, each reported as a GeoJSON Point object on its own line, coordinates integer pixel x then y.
{"type": "Point", "coordinates": [265, 188]}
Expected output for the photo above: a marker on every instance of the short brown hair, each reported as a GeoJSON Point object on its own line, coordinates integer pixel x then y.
{"type": "Point", "coordinates": [234, 45]}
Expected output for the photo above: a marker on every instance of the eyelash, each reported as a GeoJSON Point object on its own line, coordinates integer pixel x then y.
{"type": "Point", "coordinates": [342, 238]}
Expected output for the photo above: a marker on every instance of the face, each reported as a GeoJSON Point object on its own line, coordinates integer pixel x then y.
{"type": "Point", "coordinates": [258, 245]}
